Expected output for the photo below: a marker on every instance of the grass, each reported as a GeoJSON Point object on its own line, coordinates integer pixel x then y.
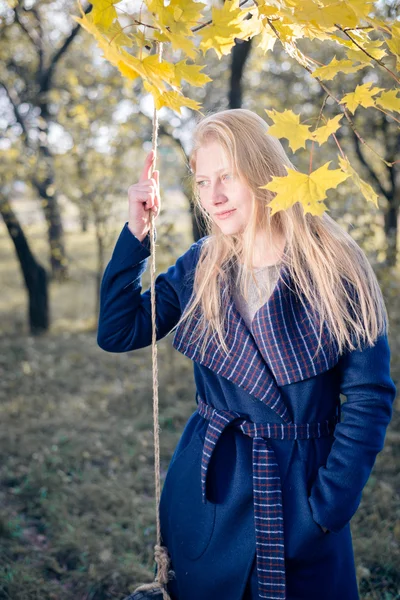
{"type": "Point", "coordinates": [77, 517]}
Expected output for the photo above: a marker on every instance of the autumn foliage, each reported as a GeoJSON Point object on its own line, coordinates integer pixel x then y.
{"type": "Point", "coordinates": [186, 30]}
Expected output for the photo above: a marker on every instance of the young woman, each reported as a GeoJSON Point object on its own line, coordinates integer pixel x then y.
{"type": "Point", "coordinates": [280, 314]}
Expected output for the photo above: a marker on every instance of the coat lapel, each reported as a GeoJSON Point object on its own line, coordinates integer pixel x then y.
{"type": "Point", "coordinates": [287, 336]}
{"type": "Point", "coordinates": [280, 347]}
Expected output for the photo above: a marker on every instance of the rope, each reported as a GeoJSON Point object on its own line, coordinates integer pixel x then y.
{"type": "Point", "coordinates": [160, 552]}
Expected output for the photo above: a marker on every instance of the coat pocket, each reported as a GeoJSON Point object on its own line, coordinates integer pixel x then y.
{"type": "Point", "coordinates": [304, 538]}
{"type": "Point", "coordinates": [188, 522]}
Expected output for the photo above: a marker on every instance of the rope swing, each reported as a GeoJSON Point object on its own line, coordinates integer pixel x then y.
{"type": "Point", "coordinates": [156, 590]}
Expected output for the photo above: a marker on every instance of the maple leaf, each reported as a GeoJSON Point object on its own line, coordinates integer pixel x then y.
{"type": "Point", "coordinates": [225, 27]}
{"type": "Point", "coordinates": [389, 100]}
{"type": "Point", "coordinates": [171, 99]}
{"type": "Point", "coordinates": [149, 68]}
{"type": "Point", "coordinates": [266, 9]}
{"type": "Point", "coordinates": [126, 70]}
{"type": "Point", "coordinates": [111, 50]}
{"type": "Point", "coordinates": [104, 12]}
{"type": "Point", "coordinates": [362, 96]}
{"type": "Point", "coordinates": [267, 39]}
{"type": "Point", "coordinates": [258, 26]}
{"type": "Point", "coordinates": [361, 8]}
{"type": "Point", "coordinates": [372, 47]}
{"type": "Point", "coordinates": [334, 67]}
{"type": "Point", "coordinates": [140, 39]}
{"type": "Point", "coordinates": [190, 73]}
{"type": "Point", "coordinates": [179, 42]}
{"type": "Point", "coordinates": [114, 33]}
{"type": "Point", "coordinates": [175, 22]}
{"type": "Point", "coordinates": [394, 43]}
{"type": "Point", "coordinates": [309, 190]}
{"type": "Point", "coordinates": [287, 125]}
{"type": "Point", "coordinates": [179, 16]}
{"type": "Point", "coordinates": [285, 31]}
{"type": "Point", "coordinates": [325, 14]}
{"type": "Point", "coordinates": [366, 190]}
{"type": "Point", "coordinates": [321, 134]}
{"type": "Point", "coordinates": [251, 27]}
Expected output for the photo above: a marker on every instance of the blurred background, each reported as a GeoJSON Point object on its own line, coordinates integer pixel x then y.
{"type": "Point", "coordinates": [77, 515]}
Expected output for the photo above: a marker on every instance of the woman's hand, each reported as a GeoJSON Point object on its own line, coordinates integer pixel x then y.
{"type": "Point", "coordinates": [143, 197]}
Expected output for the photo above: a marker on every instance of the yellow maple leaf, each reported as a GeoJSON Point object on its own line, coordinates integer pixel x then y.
{"type": "Point", "coordinates": [126, 70]}
{"type": "Point", "coordinates": [149, 68]}
{"type": "Point", "coordinates": [171, 99]}
{"type": "Point", "coordinates": [325, 13]}
{"type": "Point", "coordinates": [175, 22]}
{"type": "Point", "coordinates": [114, 33]}
{"type": "Point", "coordinates": [104, 12]}
{"type": "Point", "coordinates": [361, 8]}
{"type": "Point", "coordinates": [287, 125]}
{"type": "Point", "coordinates": [258, 25]}
{"type": "Point", "coordinates": [251, 27]}
{"type": "Point", "coordinates": [179, 16]}
{"type": "Point", "coordinates": [183, 43]}
{"type": "Point", "coordinates": [297, 13]}
{"type": "Point", "coordinates": [266, 9]}
{"type": "Point", "coordinates": [285, 30]}
{"type": "Point", "coordinates": [141, 40]}
{"type": "Point", "coordinates": [225, 27]}
{"type": "Point", "coordinates": [310, 189]}
{"type": "Point", "coordinates": [267, 39]}
{"type": "Point", "coordinates": [321, 134]}
{"type": "Point", "coordinates": [366, 190]}
{"type": "Point", "coordinates": [394, 43]}
{"type": "Point", "coordinates": [190, 73]}
{"type": "Point", "coordinates": [334, 67]}
{"type": "Point", "coordinates": [111, 50]}
{"type": "Point", "coordinates": [389, 100]}
{"type": "Point", "coordinates": [371, 46]}
{"type": "Point", "coordinates": [362, 96]}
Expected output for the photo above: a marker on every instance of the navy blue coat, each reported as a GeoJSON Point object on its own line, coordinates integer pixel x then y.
{"type": "Point", "coordinates": [274, 374]}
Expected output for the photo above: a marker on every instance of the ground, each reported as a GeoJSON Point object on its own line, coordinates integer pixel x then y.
{"type": "Point", "coordinates": [77, 516]}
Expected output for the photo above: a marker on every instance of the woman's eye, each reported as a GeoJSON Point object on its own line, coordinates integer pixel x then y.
{"type": "Point", "coordinates": [224, 177]}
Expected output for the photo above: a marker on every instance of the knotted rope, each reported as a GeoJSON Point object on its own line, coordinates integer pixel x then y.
{"type": "Point", "coordinates": [161, 555]}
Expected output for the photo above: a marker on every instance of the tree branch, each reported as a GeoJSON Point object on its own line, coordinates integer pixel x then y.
{"type": "Point", "coordinates": [301, 60]}
{"type": "Point", "coordinates": [14, 103]}
{"type": "Point", "coordinates": [25, 29]}
{"type": "Point", "coordinates": [45, 79]}
{"type": "Point", "coordinates": [40, 47]}
{"type": "Point", "coordinates": [363, 161]}
{"type": "Point", "coordinates": [377, 60]}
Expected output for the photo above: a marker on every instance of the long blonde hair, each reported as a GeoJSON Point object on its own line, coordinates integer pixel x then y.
{"type": "Point", "coordinates": [325, 264]}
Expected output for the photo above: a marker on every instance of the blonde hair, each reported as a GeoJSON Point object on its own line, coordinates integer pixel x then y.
{"type": "Point", "coordinates": [324, 263]}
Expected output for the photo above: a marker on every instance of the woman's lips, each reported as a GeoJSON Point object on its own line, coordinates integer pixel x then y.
{"type": "Point", "coordinates": [226, 215]}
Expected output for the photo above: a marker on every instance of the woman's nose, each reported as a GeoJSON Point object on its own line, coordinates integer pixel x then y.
{"type": "Point", "coordinates": [216, 192]}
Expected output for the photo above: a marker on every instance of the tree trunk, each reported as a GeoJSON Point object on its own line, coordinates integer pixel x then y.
{"type": "Point", "coordinates": [55, 233]}
{"type": "Point", "coordinates": [34, 274]}
{"type": "Point", "coordinates": [100, 267]}
{"type": "Point", "coordinates": [84, 219]}
{"type": "Point", "coordinates": [392, 215]}
{"type": "Point", "coordinates": [45, 186]}
{"type": "Point", "coordinates": [240, 54]}
{"type": "Point", "coordinates": [99, 224]}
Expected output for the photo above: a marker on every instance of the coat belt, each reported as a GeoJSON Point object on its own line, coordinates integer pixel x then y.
{"type": "Point", "coordinates": [267, 492]}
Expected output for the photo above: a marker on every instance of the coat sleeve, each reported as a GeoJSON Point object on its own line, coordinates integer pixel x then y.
{"type": "Point", "coordinates": [370, 392]}
{"type": "Point", "coordinates": [125, 313]}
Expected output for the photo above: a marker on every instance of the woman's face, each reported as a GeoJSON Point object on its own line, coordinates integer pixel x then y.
{"type": "Point", "coordinates": [220, 190]}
